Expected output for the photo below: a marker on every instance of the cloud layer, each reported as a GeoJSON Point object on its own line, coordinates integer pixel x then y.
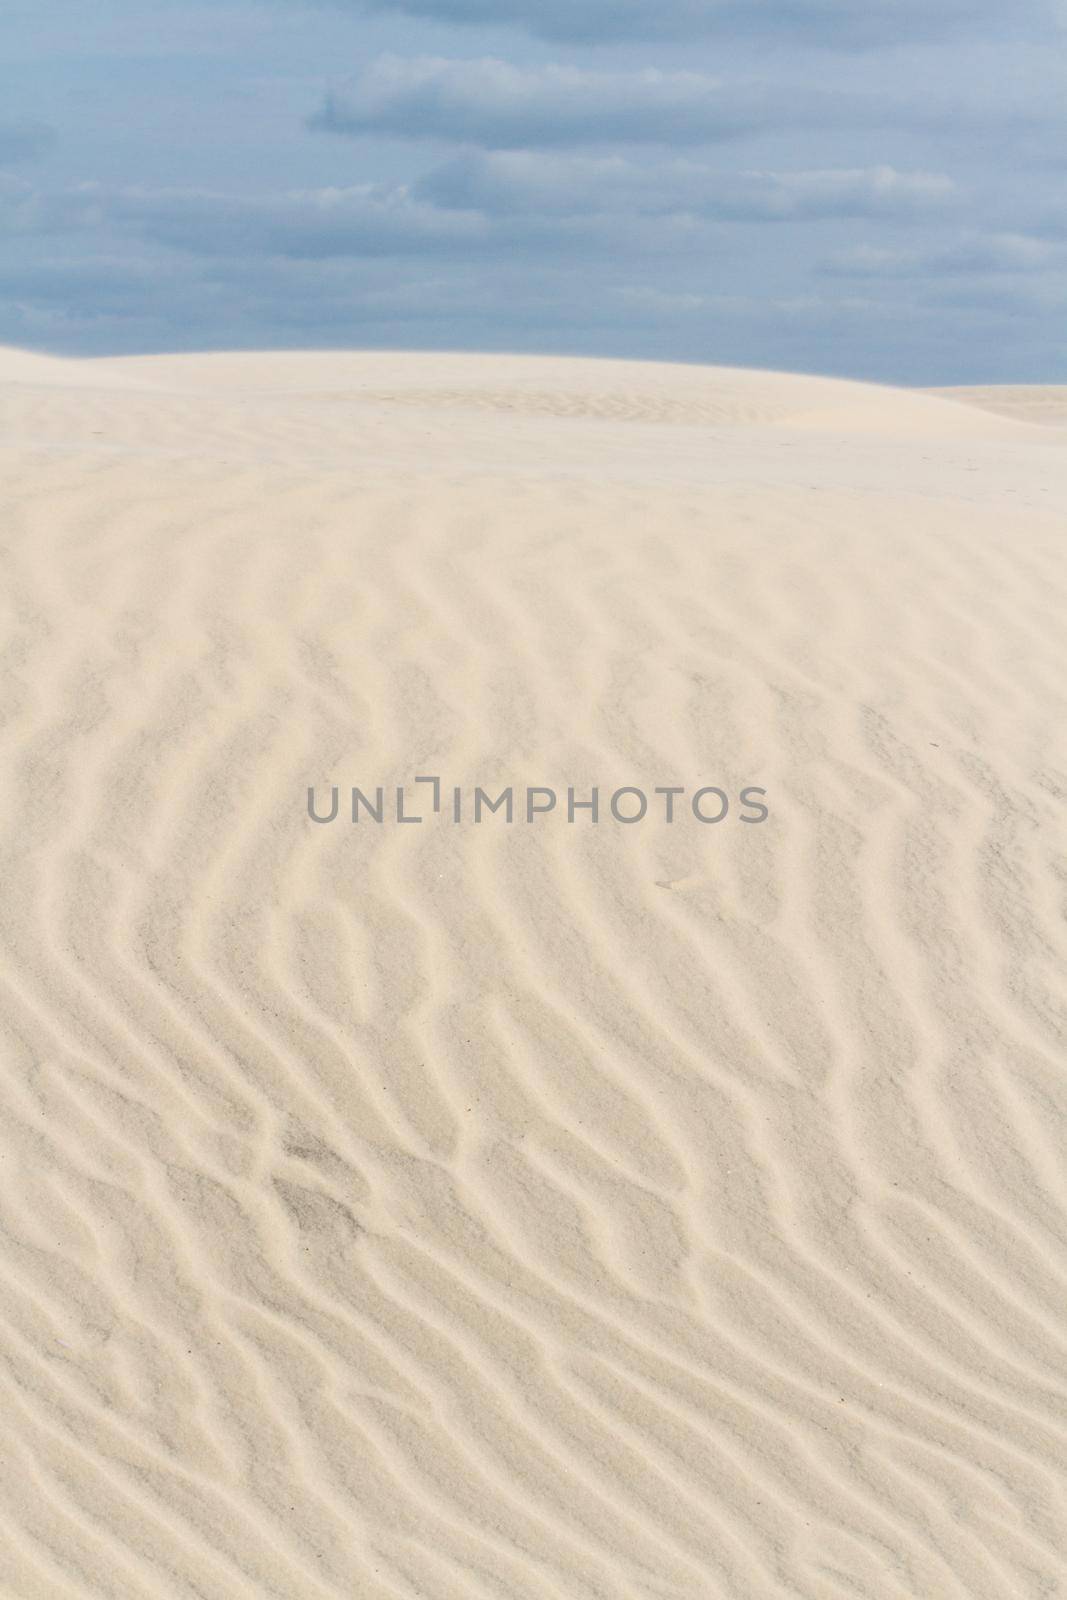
{"type": "Point", "coordinates": [492, 102]}
{"type": "Point", "coordinates": [691, 179]}
{"type": "Point", "coordinates": [502, 183]}
{"type": "Point", "coordinates": [835, 23]}
{"type": "Point", "coordinates": [523, 202]}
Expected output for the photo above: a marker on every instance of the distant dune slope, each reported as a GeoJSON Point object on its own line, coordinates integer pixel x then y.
{"type": "Point", "coordinates": [1034, 402]}
{"type": "Point", "coordinates": [529, 1210]}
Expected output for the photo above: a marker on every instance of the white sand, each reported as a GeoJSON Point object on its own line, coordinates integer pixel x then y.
{"type": "Point", "coordinates": [1044, 403]}
{"type": "Point", "coordinates": [547, 1211]}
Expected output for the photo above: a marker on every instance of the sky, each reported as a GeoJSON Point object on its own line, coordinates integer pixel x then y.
{"type": "Point", "coordinates": [870, 188]}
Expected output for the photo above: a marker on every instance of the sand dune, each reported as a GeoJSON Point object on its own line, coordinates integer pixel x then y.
{"type": "Point", "coordinates": [542, 1210]}
{"type": "Point", "coordinates": [1043, 403]}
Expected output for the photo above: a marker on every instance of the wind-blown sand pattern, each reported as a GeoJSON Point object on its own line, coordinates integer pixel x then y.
{"type": "Point", "coordinates": [529, 1212]}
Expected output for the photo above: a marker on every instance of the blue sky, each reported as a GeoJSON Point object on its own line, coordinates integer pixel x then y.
{"type": "Point", "coordinates": [876, 188]}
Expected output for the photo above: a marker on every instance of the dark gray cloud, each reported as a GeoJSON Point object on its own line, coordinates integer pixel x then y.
{"type": "Point", "coordinates": [834, 23]}
{"type": "Point", "coordinates": [24, 140]}
{"type": "Point", "coordinates": [495, 103]}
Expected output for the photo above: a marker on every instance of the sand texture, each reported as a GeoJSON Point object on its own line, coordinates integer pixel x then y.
{"type": "Point", "coordinates": [538, 1210]}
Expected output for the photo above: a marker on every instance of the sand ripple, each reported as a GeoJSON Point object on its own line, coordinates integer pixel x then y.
{"type": "Point", "coordinates": [546, 1212]}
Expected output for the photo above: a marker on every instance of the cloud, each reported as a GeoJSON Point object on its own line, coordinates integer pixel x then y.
{"type": "Point", "coordinates": [637, 199]}
{"type": "Point", "coordinates": [25, 140]}
{"type": "Point", "coordinates": [834, 23]}
{"type": "Point", "coordinates": [508, 183]}
{"type": "Point", "coordinates": [366, 219]}
{"type": "Point", "coordinates": [26, 210]}
{"type": "Point", "coordinates": [317, 225]}
{"type": "Point", "coordinates": [495, 104]}
{"type": "Point", "coordinates": [491, 102]}
{"type": "Point", "coordinates": [975, 255]}
{"type": "Point", "coordinates": [517, 205]}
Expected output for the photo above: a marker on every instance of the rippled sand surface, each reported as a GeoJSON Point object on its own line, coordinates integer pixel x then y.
{"type": "Point", "coordinates": [537, 1210]}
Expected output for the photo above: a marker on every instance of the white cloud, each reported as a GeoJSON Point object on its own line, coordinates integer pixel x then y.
{"type": "Point", "coordinates": [492, 102]}
{"type": "Point", "coordinates": [365, 219]}
{"type": "Point", "coordinates": [504, 183]}
{"type": "Point", "coordinates": [663, 200]}
{"type": "Point", "coordinates": [971, 255]}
